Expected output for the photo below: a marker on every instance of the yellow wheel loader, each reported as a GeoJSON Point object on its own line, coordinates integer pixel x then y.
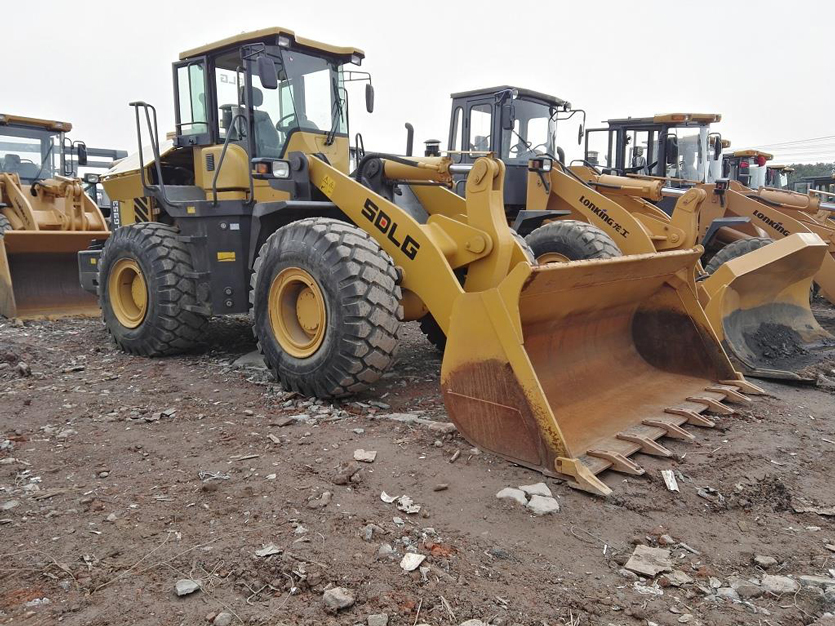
{"type": "Point", "coordinates": [565, 368]}
{"type": "Point", "coordinates": [759, 298]}
{"type": "Point", "coordinates": [45, 219]}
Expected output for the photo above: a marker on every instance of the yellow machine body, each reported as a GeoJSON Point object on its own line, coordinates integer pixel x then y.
{"type": "Point", "coordinates": [51, 222]}
{"type": "Point", "coordinates": [762, 295]}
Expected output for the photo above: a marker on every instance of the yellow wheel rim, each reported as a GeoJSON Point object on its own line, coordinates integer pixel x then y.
{"type": "Point", "coordinates": [552, 257]}
{"type": "Point", "coordinates": [128, 293]}
{"type": "Point", "coordinates": [297, 312]}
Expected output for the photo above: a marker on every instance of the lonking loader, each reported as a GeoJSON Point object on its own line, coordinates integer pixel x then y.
{"type": "Point", "coordinates": [45, 219]}
{"type": "Point", "coordinates": [567, 369]}
{"type": "Point", "coordinates": [593, 215]}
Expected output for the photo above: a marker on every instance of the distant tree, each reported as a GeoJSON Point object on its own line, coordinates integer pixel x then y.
{"type": "Point", "coordinates": [802, 170]}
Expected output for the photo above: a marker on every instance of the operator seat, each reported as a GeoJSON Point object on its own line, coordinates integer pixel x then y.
{"type": "Point", "coordinates": [267, 142]}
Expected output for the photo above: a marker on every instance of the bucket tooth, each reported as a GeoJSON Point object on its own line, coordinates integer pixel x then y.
{"type": "Point", "coordinates": [745, 387]}
{"type": "Point", "coordinates": [619, 462]}
{"type": "Point", "coordinates": [731, 393]}
{"type": "Point", "coordinates": [712, 405]}
{"type": "Point", "coordinates": [648, 446]}
{"type": "Point", "coordinates": [672, 430]}
{"type": "Point", "coordinates": [693, 417]}
{"type": "Point", "coordinates": [583, 478]}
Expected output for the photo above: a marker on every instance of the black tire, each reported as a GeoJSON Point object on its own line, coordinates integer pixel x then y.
{"type": "Point", "coordinates": [5, 224]}
{"type": "Point", "coordinates": [576, 241]}
{"type": "Point", "coordinates": [358, 283]}
{"type": "Point", "coordinates": [429, 325]}
{"type": "Point", "coordinates": [171, 325]}
{"type": "Point", "coordinates": [736, 249]}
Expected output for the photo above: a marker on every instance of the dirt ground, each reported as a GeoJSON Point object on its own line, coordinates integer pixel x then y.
{"type": "Point", "coordinates": [120, 476]}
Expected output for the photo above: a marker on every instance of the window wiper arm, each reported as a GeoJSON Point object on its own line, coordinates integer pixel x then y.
{"type": "Point", "coordinates": [46, 156]}
{"type": "Point", "coordinates": [336, 115]}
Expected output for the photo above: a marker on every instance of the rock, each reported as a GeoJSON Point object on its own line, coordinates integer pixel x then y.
{"type": "Point", "coordinates": [381, 619]}
{"type": "Point", "coordinates": [358, 431]}
{"type": "Point", "coordinates": [728, 594]}
{"type": "Point", "coordinates": [337, 598]}
{"type": "Point", "coordinates": [441, 487]}
{"type": "Point", "coordinates": [411, 561]}
{"type": "Point", "coordinates": [384, 551]}
{"type": "Point", "coordinates": [320, 502]}
{"type": "Point", "coordinates": [365, 456]}
{"type": "Point", "coordinates": [649, 561]}
{"type": "Point", "coordinates": [816, 581]}
{"type": "Point", "coordinates": [23, 369]}
{"type": "Point", "coordinates": [538, 489]}
{"type": "Point", "coordinates": [746, 589]}
{"type": "Point", "coordinates": [344, 473]}
{"type": "Point", "coordinates": [111, 517]}
{"type": "Point", "coordinates": [541, 505]}
{"type": "Point", "coordinates": [9, 505]}
{"type": "Point", "coordinates": [765, 561]}
{"type": "Point", "coordinates": [369, 530]}
{"type": "Point", "coordinates": [677, 578]}
{"type": "Point", "coordinates": [186, 586]}
{"type": "Point", "coordinates": [268, 550]}
{"type": "Point", "coordinates": [224, 618]}
{"type": "Point", "coordinates": [509, 493]}
{"type": "Point", "coordinates": [251, 360]}
{"type": "Point", "coordinates": [627, 574]}
{"type": "Point", "coordinates": [300, 530]}
{"type": "Point", "coordinates": [779, 584]}
{"type": "Point", "coordinates": [473, 622]}
{"type": "Point", "coordinates": [666, 540]}
{"type": "Point", "coordinates": [686, 618]}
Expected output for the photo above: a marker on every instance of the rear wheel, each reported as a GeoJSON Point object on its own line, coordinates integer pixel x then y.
{"type": "Point", "coordinates": [735, 250]}
{"type": "Point", "coordinates": [570, 240]}
{"type": "Point", "coordinates": [148, 300]}
{"type": "Point", "coordinates": [429, 325]}
{"type": "Point", "coordinates": [326, 307]}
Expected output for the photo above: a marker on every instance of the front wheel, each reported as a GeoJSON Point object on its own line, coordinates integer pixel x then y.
{"type": "Point", "coordinates": [147, 295]}
{"type": "Point", "coordinates": [326, 307]}
{"type": "Point", "coordinates": [570, 240]}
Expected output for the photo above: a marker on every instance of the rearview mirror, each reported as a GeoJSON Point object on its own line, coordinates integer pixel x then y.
{"type": "Point", "coordinates": [580, 132]}
{"type": "Point", "coordinates": [267, 73]}
{"type": "Point", "coordinates": [508, 116]}
{"type": "Point", "coordinates": [81, 151]}
{"type": "Point", "coordinates": [671, 148]}
{"type": "Point", "coordinates": [717, 147]}
{"type": "Point", "coordinates": [369, 98]}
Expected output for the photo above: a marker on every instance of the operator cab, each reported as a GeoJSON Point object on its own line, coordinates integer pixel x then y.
{"type": "Point", "coordinates": [37, 149]}
{"type": "Point", "coordinates": [678, 146]}
{"type": "Point", "coordinates": [777, 176]}
{"type": "Point", "coordinates": [749, 167]}
{"type": "Point", "coordinates": [515, 124]}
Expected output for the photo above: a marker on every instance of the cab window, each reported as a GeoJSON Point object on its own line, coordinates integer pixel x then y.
{"type": "Point", "coordinates": [191, 92]}
{"type": "Point", "coordinates": [481, 125]}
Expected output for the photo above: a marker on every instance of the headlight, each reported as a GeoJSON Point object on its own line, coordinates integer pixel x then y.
{"type": "Point", "coordinates": [283, 41]}
{"type": "Point", "coordinates": [281, 169]}
{"type": "Point", "coordinates": [91, 179]}
{"type": "Point", "coordinates": [540, 164]}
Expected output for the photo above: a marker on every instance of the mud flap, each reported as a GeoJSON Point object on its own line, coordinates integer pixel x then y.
{"type": "Point", "coordinates": [759, 306]}
{"type": "Point", "coordinates": [39, 274]}
{"type": "Point", "coordinates": [570, 368]}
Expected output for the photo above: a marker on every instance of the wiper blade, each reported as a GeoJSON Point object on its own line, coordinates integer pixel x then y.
{"type": "Point", "coordinates": [336, 115]}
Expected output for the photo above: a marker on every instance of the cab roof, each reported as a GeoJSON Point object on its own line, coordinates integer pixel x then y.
{"type": "Point", "coordinates": [782, 168]}
{"type": "Point", "coordinates": [751, 153]}
{"type": "Point", "coordinates": [521, 92]}
{"type": "Point", "coordinates": [7, 119]}
{"type": "Point", "coordinates": [270, 36]}
{"type": "Point", "coordinates": [671, 118]}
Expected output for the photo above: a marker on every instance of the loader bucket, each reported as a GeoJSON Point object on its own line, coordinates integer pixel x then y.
{"type": "Point", "coordinates": [759, 306]}
{"type": "Point", "coordinates": [39, 274]}
{"type": "Point", "coordinates": [569, 368]}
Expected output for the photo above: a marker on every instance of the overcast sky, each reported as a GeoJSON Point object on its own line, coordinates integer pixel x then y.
{"type": "Point", "coordinates": [765, 65]}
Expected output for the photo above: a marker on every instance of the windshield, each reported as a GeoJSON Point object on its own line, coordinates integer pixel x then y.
{"type": "Point", "coordinates": [32, 153]}
{"type": "Point", "coordinates": [691, 163]}
{"type": "Point", "coordinates": [534, 132]}
{"type": "Point", "coordinates": [310, 97]}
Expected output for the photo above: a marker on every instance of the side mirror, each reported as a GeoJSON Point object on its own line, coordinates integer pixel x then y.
{"type": "Point", "coordinates": [508, 116]}
{"type": "Point", "coordinates": [369, 97]}
{"type": "Point", "coordinates": [81, 151]}
{"type": "Point", "coordinates": [267, 73]}
{"type": "Point", "coordinates": [671, 148]}
{"type": "Point", "coordinates": [717, 147]}
{"type": "Point", "coordinates": [580, 133]}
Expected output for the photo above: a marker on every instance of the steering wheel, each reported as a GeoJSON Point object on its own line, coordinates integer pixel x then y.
{"type": "Point", "coordinates": [281, 127]}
